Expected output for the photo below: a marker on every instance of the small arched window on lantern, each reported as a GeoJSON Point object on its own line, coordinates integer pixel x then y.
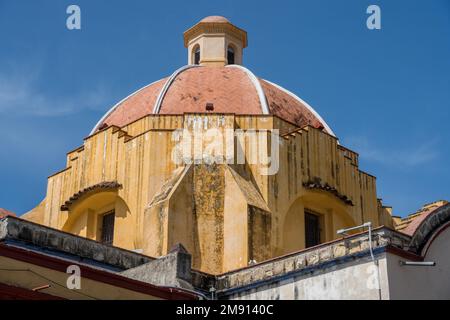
{"type": "Point", "coordinates": [230, 55]}
{"type": "Point", "coordinates": [196, 54]}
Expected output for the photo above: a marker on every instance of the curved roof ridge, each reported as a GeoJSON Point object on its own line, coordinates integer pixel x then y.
{"type": "Point", "coordinates": [311, 109]}
{"type": "Point", "coordinates": [257, 85]}
{"type": "Point", "coordinates": [427, 225]}
{"type": "Point", "coordinates": [114, 107]}
{"type": "Point", "coordinates": [165, 88]}
{"type": "Point", "coordinates": [233, 87]}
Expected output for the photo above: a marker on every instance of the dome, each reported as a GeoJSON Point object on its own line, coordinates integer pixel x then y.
{"type": "Point", "coordinates": [231, 89]}
{"type": "Point", "coordinates": [215, 19]}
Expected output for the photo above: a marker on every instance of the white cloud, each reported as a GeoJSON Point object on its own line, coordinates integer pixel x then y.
{"type": "Point", "coordinates": [412, 155]}
{"type": "Point", "coordinates": [19, 94]}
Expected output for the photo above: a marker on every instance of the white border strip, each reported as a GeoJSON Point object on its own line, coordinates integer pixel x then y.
{"type": "Point", "coordinates": [314, 112]}
{"type": "Point", "coordinates": [258, 87]}
{"type": "Point", "coordinates": [162, 93]}
{"type": "Point", "coordinates": [117, 105]}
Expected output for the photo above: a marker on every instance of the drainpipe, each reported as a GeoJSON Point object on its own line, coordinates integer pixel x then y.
{"type": "Point", "coordinates": [213, 293]}
{"type": "Point", "coordinates": [369, 226]}
{"type": "Point", "coordinates": [365, 225]}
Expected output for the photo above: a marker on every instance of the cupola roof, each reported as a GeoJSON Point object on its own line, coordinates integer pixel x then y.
{"type": "Point", "coordinates": [213, 86]}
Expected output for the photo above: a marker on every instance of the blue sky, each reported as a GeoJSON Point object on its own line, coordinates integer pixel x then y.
{"type": "Point", "coordinates": [385, 93]}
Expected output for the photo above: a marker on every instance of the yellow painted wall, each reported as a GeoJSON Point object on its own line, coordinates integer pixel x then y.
{"type": "Point", "coordinates": [236, 253]}
{"type": "Point", "coordinates": [208, 211]}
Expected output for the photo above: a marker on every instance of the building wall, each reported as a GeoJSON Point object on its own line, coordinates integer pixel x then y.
{"type": "Point", "coordinates": [311, 155]}
{"type": "Point", "coordinates": [213, 48]}
{"type": "Point", "coordinates": [236, 248]}
{"type": "Point", "coordinates": [150, 206]}
{"type": "Point", "coordinates": [362, 279]}
{"type": "Point", "coordinates": [407, 282]}
{"type": "Point", "coordinates": [351, 281]}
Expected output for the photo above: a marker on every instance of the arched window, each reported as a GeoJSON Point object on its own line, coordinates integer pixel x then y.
{"type": "Point", "coordinates": [196, 54]}
{"type": "Point", "coordinates": [230, 55]}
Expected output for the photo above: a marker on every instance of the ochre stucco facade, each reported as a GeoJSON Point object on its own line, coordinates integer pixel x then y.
{"type": "Point", "coordinates": [225, 214]}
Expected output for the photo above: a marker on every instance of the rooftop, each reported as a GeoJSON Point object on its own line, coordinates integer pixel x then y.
{"type": "Point", "coordinates": [6, 213]}
{"type": "Point", "coordinates": [411, 223]}
{"type": "Point", "coordinates": [174, 269]}
{"type": "Point", "coordinates": [230, 89]}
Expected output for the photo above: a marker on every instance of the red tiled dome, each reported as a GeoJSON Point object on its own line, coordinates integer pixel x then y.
{"type": "Point", "coordinates": [231, 89]}
{"type": "Point", "coordinates": [5, 213]}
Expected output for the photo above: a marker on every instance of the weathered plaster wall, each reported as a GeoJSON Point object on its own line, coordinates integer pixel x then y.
{"type": "Point", "coordinates": [236, 250]}
{"type": "Point", "coordinates": [199, 212]}
{"type": "Point", "coordinates": [408, 282]}
{"type": "Point", "coordinates": [213, 46]}
{"type": "Point", "coordinates": [313, 156]}
{"type": "Point", "coordinates": [342, 269]}
{"type": "Point", "coordinates": [335, 282]}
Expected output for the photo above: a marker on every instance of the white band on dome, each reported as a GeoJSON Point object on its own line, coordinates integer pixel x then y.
{"type": "Point", "coordinates": [314, 112]}
{"type": "Point", "coordinates": [252, 77]}
{"type": "Point", "coordinates": [257, 85]}
{"type": "Point", "coordinates": [99, 123]}
{"type": "Point", "coordinates": [162, 93]}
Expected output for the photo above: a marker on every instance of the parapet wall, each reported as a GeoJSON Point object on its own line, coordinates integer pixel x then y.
{"type": "Point", "coordinates": [344, 251]}
{"type": "Point", "coordinates": [18, 232]}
